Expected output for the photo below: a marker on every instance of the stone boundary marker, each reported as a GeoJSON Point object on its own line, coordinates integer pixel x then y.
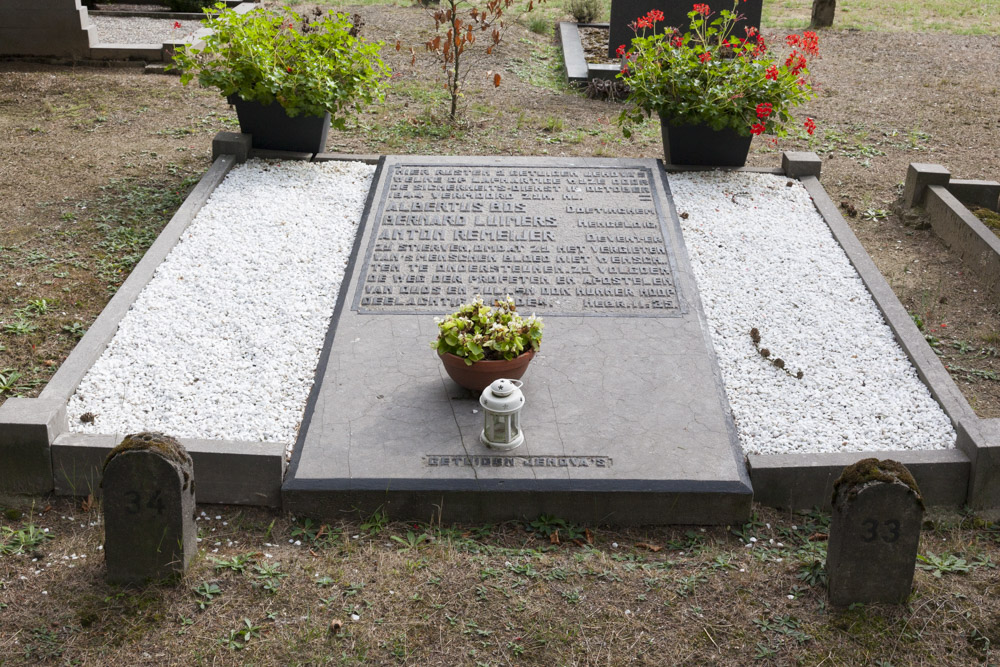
{"type": "Point", "coordinates": [874, 533]}
{"type": "Point", "coordinates": [148, 502]}
{"type": "Point", "coordinates": [39, 455]}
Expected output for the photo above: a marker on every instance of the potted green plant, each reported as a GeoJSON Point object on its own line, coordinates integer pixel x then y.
{"type": "Point", "coordinates": [712, 90]}
{"type": "Point", "coordinates": [289, 78]}
{"type": "Point", "coordinates": [480, 343]}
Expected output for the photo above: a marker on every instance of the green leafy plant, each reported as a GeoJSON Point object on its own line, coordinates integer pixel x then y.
{"type": "Point", "coordinates": [938, 565]}
{"type": "Point", "coordinates": [412, 541]}
{"type": "Point", "coordinates": [708, 76]}
{"type": "Point", "coordinates": [21, 540]}
{"type": "Point", "coordinates": [317, 67]}
{"type": "Point", "coordinates": [206, 593]}
{"type": "Point", "coordinates": [476, 331]}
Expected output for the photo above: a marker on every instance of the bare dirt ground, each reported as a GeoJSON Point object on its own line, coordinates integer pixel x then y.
{"type": "Point", "coordinates": [94, 161]}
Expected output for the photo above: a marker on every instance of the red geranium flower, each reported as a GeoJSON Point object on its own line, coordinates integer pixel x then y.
{"type": "Point", "coordinates": [764, 110]}
{"type": "Point", "coordinates": [704, 57]}
{"type": "Point", "coordinates": [177, 24]}
{"type": "Point", "coordinates": [703, 9]}
{"type": "Point", "coordinates": [757, 129]}
{"type": "Point", "coordinates": [810, 125]}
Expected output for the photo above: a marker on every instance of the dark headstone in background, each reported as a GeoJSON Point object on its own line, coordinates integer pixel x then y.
{"type": "Point", "coordinates": [624, 12]}
{"type": "Point", "coordinates": [149, 527]}
{"type": "Point", "coordinates": [874, 533]}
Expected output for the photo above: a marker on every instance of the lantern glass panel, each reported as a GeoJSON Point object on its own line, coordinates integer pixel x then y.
{"type": "Point", "coordinates": [496, 428]}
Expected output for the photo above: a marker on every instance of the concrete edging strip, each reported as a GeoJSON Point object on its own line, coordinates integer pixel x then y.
{"type": "Point", "coordinates": [71, 372]}
{"type": "Point", "coordinates": [226, 471]}
{"type": "Point", "coordinates": [779, 479]}
{"type": "Point", "coordinates": [975, 243]}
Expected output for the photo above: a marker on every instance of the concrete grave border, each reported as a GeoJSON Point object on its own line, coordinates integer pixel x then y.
{"type": "Point", "coordinates": [41, 455]}
{"type": "Point", "coordinates": [64, 40]}
{"type": "Point", "coordinates": [578, 69]}
{"type": "Point", "coordinates": [946, 202]}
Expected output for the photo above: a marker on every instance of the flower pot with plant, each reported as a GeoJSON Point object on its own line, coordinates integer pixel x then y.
{"type": "Point", "coordinates": [284, 72]}
{"type": "Point", "coordinates": [480, 343]}
{"type": "Point", "coordinates": [712, 90]}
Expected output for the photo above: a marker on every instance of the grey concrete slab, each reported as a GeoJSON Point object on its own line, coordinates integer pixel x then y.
{"type": "Point", "coordinates": [626, 420]}
{"type": "Point", "coordinates": [578, 68]}
{"type": "Point", "coordinates": [573, 56]}
{"type": "Point", "coordinates": [229, 472]}
{"type": "Point", "coordinates": [267, 154]}
{"type": "Point", "coordinates": [804, 481]}
{"type": "Point", "coordinates": [918, 176]}
{"type": "Point", "coordinates": [108, 51]}
{"type": "Point", "coordinates": [232, 143]}
{"type": "Point", "coordinates": [975, 193]}
{"type": "Point", "coordinates": [367, 158]}
{"type": "Point", "coordinates": [27, 426]}
{"type": "Point", "coordinates": [797, 164]}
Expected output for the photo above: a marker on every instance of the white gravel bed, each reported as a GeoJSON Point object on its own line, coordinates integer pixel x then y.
{"type": "Point", "coordinates": [141, 30]}
{"type": "Point", "coordinates": [224, 340]}
{"type": "Point", "coordinates": [763, 257]}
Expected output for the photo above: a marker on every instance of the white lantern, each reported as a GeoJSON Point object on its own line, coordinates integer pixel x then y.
{"type": "Point", "coordinates": [502, 402]}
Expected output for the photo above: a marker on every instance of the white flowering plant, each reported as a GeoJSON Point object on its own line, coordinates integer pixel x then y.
{"type": "Point", "coordinates": [478, 332]}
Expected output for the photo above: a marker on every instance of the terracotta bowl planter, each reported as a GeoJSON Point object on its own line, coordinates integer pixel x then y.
{"type": "Point", "coordinates": [481, 374]}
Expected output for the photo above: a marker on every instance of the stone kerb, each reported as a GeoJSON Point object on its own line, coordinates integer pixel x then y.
{"type": "Point", "coordinates": [947, 202]}
{"type": "Point", "coordinates": [951, 477]}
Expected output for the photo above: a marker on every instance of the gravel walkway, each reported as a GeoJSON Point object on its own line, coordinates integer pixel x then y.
{"type": "Point", "coordinates": [138, 30]}
{"type": "Point", "coordinates": [223, 342]}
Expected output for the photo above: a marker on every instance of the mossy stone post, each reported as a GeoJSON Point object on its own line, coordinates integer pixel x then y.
{"type": "Point", "coordinates": [148, 498]}
{"type": "Point", "coordinates": [874, 533]}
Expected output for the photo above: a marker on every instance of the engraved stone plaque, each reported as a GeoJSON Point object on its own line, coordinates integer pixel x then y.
{"type": "Point", "coordinates": [560, 240]}
{"type": "Point", "coordinates": [625, 419]}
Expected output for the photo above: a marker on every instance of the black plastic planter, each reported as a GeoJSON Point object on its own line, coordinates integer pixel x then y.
{"type": "Point", "coordinates": [273, 129]}
{"type": "Point", "coordinates": [701, 145]}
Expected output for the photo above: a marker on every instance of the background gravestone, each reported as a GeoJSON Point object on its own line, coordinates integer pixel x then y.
{"type": "Point", "coordinates": [149, 527]}
{"type": "Point", "coordinates": [675, 12]}
{"type": "Point", "coordinates": [874, 533]}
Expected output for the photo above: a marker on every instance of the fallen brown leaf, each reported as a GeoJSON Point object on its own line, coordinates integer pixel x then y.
{"type": "Point", "coordinates": [651, 547]}
{"type": "Point", "coordinates": [336, 625]}
{"type": "Point", "coordinates": [554, 537]}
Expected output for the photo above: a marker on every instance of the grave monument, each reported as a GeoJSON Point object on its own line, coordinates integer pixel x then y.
{"type": "Point", "coordinates": [625, 416]}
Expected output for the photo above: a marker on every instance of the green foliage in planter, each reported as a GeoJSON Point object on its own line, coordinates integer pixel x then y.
{"type": "Point", "coordinates": [476, 331]}
{"type": "Point", "coordinates": [709, 76]}
{"type": "Point", "coordinates": [308, 67]}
